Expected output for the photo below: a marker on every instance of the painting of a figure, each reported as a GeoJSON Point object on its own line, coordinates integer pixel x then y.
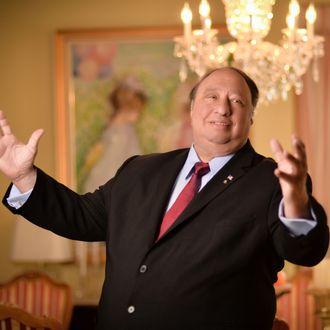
{"type": "Point", "coordinates": [126, 101]}
{"type": "Point", "coordinates": [119, 139]}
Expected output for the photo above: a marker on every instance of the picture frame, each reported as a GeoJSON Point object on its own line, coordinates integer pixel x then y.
{"type": "Point", "coordinates": [108, 55]}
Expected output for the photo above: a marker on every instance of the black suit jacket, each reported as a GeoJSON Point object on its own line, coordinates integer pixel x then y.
{"type": "Point", "coordinates": [214, 269]}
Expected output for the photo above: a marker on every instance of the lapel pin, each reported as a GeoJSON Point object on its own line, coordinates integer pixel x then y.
{"type": "Point", "coordinates": [229, 177]}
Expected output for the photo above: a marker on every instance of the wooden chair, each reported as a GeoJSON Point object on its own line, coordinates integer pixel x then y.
{"type": "Point", "coordinates": [280, 325]}
{"type": "Point", "coordinates": [13, 317]}
{"type": "Point", "coordinates": [39, 295]}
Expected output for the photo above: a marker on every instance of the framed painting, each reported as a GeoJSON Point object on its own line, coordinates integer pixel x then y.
{"type": "Point", "coordinates": [91, 65]}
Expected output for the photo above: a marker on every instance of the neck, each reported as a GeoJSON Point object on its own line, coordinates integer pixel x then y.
{"type": "Point", "coordinates": [207, 154]}
{"type": "Point", "coordinates": [124, 116]}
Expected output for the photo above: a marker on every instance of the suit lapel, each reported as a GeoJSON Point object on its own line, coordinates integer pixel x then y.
{"type": "Point", "coordinates": [161, 187]}
{"type": "Point", "coordinates": [227, 176]}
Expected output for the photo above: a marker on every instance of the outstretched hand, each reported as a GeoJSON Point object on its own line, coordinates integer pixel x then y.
{"type": "Point", "coordinates": [292, 175]}
{"type": "Point", "coordinates": [16, 158]}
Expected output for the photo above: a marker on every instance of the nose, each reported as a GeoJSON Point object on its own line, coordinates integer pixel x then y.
{"type": "Point", "coordinates": [223, 107]}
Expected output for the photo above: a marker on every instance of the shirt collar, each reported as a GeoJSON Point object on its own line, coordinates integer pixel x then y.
{"type": "Point", "coordinates": [215, 163]}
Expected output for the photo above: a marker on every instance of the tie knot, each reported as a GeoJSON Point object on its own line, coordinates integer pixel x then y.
{"type": "Point", "coordinates": [201, 169]}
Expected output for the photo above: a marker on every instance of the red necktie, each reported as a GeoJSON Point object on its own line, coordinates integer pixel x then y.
{"type": "Point", "coordinates": [185, 197]}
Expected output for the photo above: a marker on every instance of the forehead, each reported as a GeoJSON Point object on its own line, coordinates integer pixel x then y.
{"type": "Point", "coordinates": [227, 80]}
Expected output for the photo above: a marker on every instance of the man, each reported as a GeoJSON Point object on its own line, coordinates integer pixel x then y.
{"type": "Point", "coordinates": [213, 264]}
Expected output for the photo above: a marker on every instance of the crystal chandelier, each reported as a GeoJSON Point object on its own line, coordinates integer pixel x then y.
{"type": "Point", "coordinates": [275, 68]}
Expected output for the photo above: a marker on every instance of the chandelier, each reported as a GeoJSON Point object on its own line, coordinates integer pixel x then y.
{"type": "Point", "coordinates": [275, 68]}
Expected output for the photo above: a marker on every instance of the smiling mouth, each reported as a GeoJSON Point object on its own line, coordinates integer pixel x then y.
{"type": "Point", "coordinates": [219, 123]}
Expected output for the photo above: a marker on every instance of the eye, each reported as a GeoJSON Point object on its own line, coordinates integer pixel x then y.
{"type": "Point", "coordinates": [237, 101]}
{"type": "Point", "coordinates": [211, 96]}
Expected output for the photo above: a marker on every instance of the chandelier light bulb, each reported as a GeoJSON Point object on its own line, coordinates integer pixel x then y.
{"type": "Point", "coordinates": [186, 14]}
{"type": "Point", "coordinates": [294, 8]}
{"type": "Point", "coordinates": [310, 18]}
{"type": "Point", "coordinates": [204, 9]}
{"type": "Point", "coordinates": [208, 22]}
{"type": "Point", "coordinates": [311, 14]}
{"type": "Point", "coordinates": [290, 21]}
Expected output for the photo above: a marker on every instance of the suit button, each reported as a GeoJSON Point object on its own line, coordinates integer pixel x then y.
{"type": "Point", "coordinates": [143, 268]}
{"type": "Point", "coordinates": [131, 309]}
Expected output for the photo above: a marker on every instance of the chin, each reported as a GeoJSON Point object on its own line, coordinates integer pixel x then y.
{"type": "Point", "coordinates": [228, 144]}
{"type": "Point", "coordinates": [220, 140]}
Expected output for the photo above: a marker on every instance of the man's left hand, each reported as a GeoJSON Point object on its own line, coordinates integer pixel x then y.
{"type": "Point", "coordinates": [292, 174]}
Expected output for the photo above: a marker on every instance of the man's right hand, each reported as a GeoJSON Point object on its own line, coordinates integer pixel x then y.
{"type": "Point", "coordinates": [16, 158]}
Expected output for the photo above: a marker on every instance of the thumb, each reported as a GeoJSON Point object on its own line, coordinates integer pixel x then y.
{"type": "Point", "coordinates": [35, 137]}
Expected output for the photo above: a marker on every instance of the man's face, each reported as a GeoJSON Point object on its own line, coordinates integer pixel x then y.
{"type": "Point", "coordinates": [221, 114]}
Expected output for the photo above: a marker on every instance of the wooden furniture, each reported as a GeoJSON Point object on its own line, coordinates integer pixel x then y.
{"type": "Point", "coordinates": [39, 295]}
{"type": "Point", "coordinates": [13, 317]}
{"type": "Point", "coordinates": [280, 325]}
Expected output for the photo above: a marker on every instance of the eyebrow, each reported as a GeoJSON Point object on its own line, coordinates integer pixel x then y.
{"type": "Point", "coordinates": [232, 93]}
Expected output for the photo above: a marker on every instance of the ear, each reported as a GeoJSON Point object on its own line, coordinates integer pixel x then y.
{"type": "Point", "coordinates": [191, 108]}
{"type": "Point", "coordinates": [252, 116]}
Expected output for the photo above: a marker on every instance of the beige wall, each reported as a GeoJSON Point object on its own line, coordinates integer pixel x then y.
{"type": "Point", "coordinates": [27, 74]}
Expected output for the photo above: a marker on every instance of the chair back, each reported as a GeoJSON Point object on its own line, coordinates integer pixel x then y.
{"type": "Point", "coordinates": [280, 325]}
{"type": "Point", "coordinates": [38, 294]}
{"type": "Point", "coordinates": [15, 318]}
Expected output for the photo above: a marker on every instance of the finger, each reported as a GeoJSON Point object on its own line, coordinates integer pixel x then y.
{"type": "Point", "coordinates": [292, 165]}
{"type": "Point", "coordinates": [291, 158]}
{"type": "Point", "coordinates": [276, 148]}
{"type": "Point", "coordinates": [35, 137]}
{"type": "Point", "coordinates": [299, 149]}
{"type": "Point", "coordinates": [5, 127]}
{"type": "Point", "coordinates": [284, 176]}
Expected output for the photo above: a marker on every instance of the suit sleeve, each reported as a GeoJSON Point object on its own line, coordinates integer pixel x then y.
{"type": "Point", "coordinates": [57, 208]}
{"type": "Point", "coordinates": [304, 250]}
